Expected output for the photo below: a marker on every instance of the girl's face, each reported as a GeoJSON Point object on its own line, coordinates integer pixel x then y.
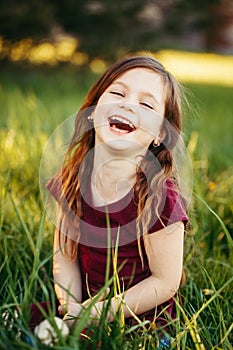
{"type": "Point", "coordinates": [129, 114]}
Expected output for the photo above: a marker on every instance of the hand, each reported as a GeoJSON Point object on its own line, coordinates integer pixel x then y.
{"type": "Point", "coordinates": [71, 311]}
{"type": "Point", "coordinates": [46, 332]}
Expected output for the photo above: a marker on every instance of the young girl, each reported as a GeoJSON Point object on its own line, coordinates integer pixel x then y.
{"type": "Point", "coordinates": [118, 190]}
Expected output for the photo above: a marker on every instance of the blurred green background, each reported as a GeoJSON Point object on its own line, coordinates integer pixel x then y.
{"type": "Point", "coordinates": [50, 54]}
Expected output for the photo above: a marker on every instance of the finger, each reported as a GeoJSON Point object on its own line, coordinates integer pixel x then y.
{"type": "Point", "coordinates": [65, 308]}
{"type": "Point", "coordinates": [101, 297]}
{"type": "Point", "coordinates": [62, 309]}
{"type": "Point", "coordinates": [69, 320]}
{"type": "Point", "coordinates": [68, 317]}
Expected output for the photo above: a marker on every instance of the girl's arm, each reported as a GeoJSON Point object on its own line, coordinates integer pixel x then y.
{"type": "Point", "coordinates": [66, 275]}
{"type": "Point", "coordinates": [165, 256]}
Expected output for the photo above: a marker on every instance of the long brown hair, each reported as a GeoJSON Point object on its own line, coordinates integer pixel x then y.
{"type": "Point", "coordinates": [149, 179]}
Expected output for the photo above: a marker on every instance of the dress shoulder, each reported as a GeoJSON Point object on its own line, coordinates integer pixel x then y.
{"type": "Point", "coordinates": [170, 210]}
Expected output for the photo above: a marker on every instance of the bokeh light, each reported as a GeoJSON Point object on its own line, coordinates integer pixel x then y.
{"type": "Point", "coordinates": [194, 67]}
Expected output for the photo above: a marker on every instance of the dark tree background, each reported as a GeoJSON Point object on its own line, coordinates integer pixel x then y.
{"type": "Point", "coordinates": [105, 27]}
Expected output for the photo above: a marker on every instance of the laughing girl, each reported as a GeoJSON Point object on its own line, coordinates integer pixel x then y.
{"type": "Point", "coordinates": [118, 191]}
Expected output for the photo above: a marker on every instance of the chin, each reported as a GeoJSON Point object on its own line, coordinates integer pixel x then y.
{"type": "Point", "coordinates": [120, 144]}
{"type": "Point", "coordinates": [125, 148]}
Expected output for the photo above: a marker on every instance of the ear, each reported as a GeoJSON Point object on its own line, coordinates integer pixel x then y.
{"type": "Point", "coordinates": [91, 114]}
{"type": "Point", "coordinates": [91, 117]}
{"type": "Point", "coordinates": [162, 134]}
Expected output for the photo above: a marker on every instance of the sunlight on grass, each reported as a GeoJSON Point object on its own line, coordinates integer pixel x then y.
{"type": "Point", "coordinates": [44, 52]}
{"type": "Point", "coordinates": [97, 65]}
{"type": "Point", "coordinates": [199, 67]}
{"type": "Point", "coordinates": [186, 66]}
{"type": "Point", "coordinates": [31, 107]}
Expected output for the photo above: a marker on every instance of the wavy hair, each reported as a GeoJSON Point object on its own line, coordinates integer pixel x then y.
{"type": "Point", "coordinates": [149, 179]}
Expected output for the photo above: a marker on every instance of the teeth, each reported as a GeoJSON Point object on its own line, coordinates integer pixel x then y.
{"type": "Point", "coordinates": [121, 131]}
{"type": "Point", "coordinates": [123, 120]}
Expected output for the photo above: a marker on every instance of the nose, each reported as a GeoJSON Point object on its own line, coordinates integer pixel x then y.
{"type": "Point", "coordinates": [128, 107]}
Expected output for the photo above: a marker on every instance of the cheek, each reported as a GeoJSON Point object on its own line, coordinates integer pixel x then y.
{"type": "Point", "coordinates": [100, 115]}
{"type": "Point", "coordinates": [106, 98]}
{"type": "Point", "coordinates": [151, 123]}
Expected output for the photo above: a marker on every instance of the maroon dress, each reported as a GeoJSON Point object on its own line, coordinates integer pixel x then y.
{"type": "Point", "coordinates": [92, 249]}
{"type": "Point", "coordinates": [95, 232]}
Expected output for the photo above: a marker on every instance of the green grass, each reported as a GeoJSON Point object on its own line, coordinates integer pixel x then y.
{"type": "Point", "coordinates": [33, 102]}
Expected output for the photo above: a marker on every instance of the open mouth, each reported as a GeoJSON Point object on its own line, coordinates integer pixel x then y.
{"type": "Point", "coordinates": [121, 125]}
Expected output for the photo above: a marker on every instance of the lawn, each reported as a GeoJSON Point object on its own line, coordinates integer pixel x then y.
{"type": "Point", "coordinates": [34, 101]}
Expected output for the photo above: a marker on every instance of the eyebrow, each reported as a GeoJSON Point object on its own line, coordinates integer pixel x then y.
{"type": "Point", "coordinates": [144, 93]}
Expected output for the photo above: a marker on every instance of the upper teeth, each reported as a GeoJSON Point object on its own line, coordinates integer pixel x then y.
{"type": "Point", "coordinates": [123, 120]}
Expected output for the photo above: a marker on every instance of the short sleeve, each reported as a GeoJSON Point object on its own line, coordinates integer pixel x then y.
{"type": "Point", "coordinates": [172, 209]}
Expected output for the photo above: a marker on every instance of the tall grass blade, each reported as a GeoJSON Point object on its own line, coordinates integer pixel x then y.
{"type": "Point", "coordinates": [25, 228]}
{"type": "Point", "coordinates": [227, 233]}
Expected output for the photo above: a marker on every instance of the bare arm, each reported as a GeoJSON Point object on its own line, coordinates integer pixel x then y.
{"type": "Point", "coordinates": [165, 256]}
{"type": "Point", "coordinates": [66, 275]}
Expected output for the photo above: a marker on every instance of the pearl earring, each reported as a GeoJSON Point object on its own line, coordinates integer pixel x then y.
{"type": "Point", "coordinates": [156, 143]}
{"type": "Point", "coordinates": [90, 119]}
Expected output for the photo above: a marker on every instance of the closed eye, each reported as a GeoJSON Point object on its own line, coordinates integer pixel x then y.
{"type": "Point", "coordinates": [118, 93]}
{"type": "Point", "coordinates": [147, 105]}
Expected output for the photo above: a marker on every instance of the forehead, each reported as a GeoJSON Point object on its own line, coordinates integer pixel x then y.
{"type": "Point", "coordinates": [143, 81]}
{"type": "Point", "coordinates": [140, 76]}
